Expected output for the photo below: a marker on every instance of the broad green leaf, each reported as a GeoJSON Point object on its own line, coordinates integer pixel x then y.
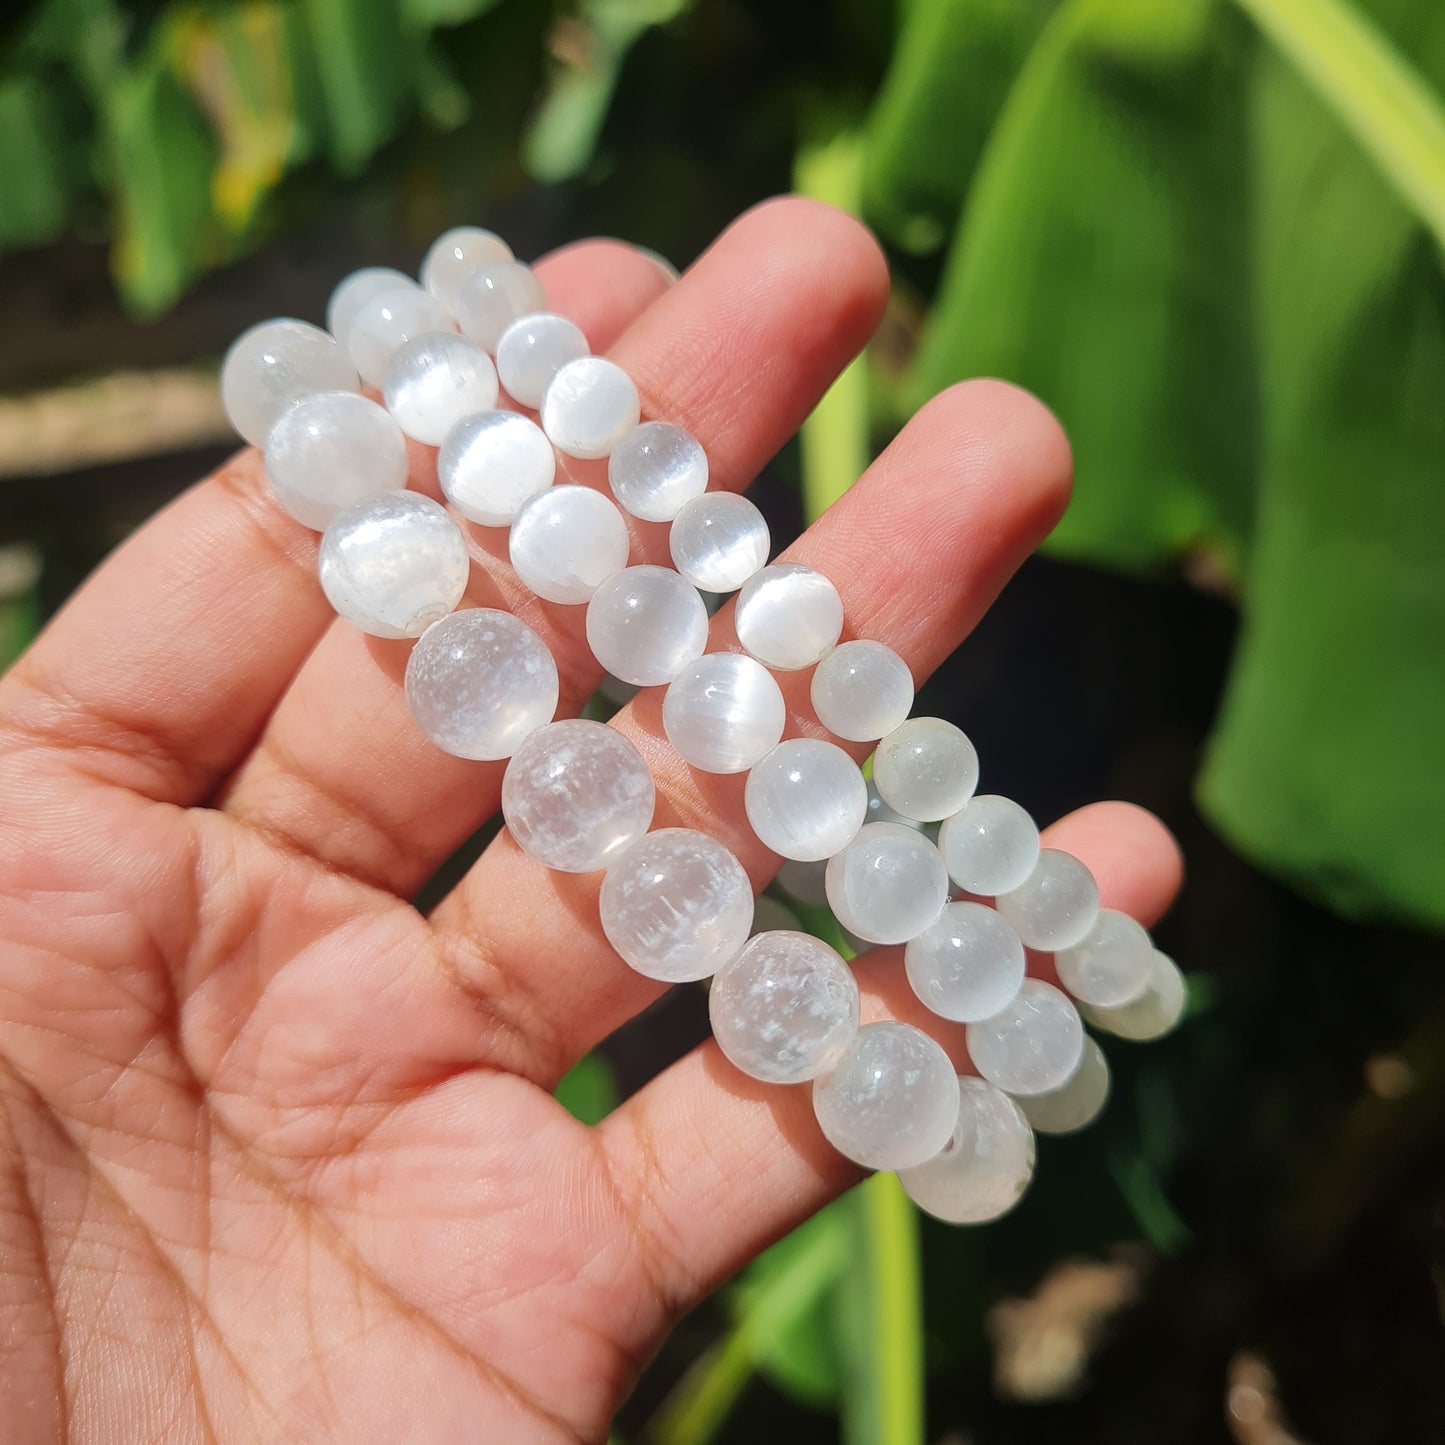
{"type": "Point", "coordinates": [33, 184]}
{"type": "Point", "coordinates": [588, 1090]}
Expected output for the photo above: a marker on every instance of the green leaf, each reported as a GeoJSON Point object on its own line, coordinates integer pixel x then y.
{"type": "Point", "coordinates": [33, 185]}
{"type": "Point", "coordinates": [427, 15]}
{"type": "Point", "coordinates": [588, 1090]}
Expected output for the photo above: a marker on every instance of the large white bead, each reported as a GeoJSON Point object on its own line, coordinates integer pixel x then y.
{"type": "Point", "coordinates": [1110, 965]}
{"type": "Point", "coordinates": [575, 794]}
{"type": "Point", "coordinates": [490, 464]}
{"type": "Point", "coordinates": [454, 255]}
{"type": "Point", "coordinates": [1056, 905]}
{"type": "Point", "coordinates": [724, 712]}
{"type": "Point", "coordinates": [434, 381]}
{"type": "Point", "coordinates": [386, 322]}
{"type": "Point", "coordinates": [645, 624]}
{"type": "Point", "coordinates": [968, 965]}
{"type": "Point", "coordinates": [352, 292]}
{"type": "Point", "coordinates": [806, 799]}
{"type": "Point", "coordinates": [394, 565]}
{"type": "Point", "coordinates": [785, 1009]}
{"type": "Point", "coordinates": [532, 350]}
{"type": "Point", "coordinates": [862, 690]}
{"type": "Point", "coordinates": [272, 366]}
{"type": "Point", "coordinates": [888, 884]}
{"type": "Point", "coordinates": [566, 542]}
{"type": "Point", "coordinates": [480, 682]}
{"type": "Point", "coordinates": [718, 541]}
{"type": "Point", "coordinates": [990, 845]}
{"type": "Point", "coordinates": [589, 406]}
{"type": "Point", "coordinates": [1033, 1044]}
{"type": "Point", "coordinates": [892, 1100]}
{"type": "Point", "coordinates": [1155, 1012]}
{"type": "Point", "coordinates": [495, 296]}
{"type": "Point", "coordinates": [788, 616]}
{"type": "Point", "coordinates": [985, 1167]}
{"type": "Point", "coordinates": [330, 451]}
{"type": "Point", "coordinates": [1076, 1104]}
{"type": "Point", "coordinates": [926, 769]}
{"type": "Point", "coordinates": [656, 470]}
{"type": "Point", "coordinates": [676, 905]}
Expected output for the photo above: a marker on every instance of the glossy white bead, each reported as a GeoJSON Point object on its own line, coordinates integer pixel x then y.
{"type": "Point", "coordinates": [354, 291]}
{"type": "Point", "coordinates": [676, 905]}
{"type": "Point", "coordinates": [1076, 1104]}
{"type": "Point", "coordinates": [862, 690]}
{"type": "Point", "coordinates": [1056, 905]}
{"type": "Point", "coordinates": [1110, 965]}
{"type": "Point", "coordinates": [1032, 1045]}
{"type": "Point", "coordinates": [575, 794]}
{"type": "Point", "coordinates": [589, 406]}
{"type": "Point", "coordinates": [645, 624]}
{"type": "Point", "coordinates": [480, 682]}
{"type": "Point", "coordinates": [772, 915]}
{"type": "Point", "coordinates": [454, 255]}
{"type": "Point", "coordinates": [926, 769]}
{"type": "Point", "coordinates": [272, 366]}
{"type": "Point", "coordinates": [788, 616]}
{"type": "Point", "coordinates": [718, 541]}
{"type": "Point", "coordinates": [985, 1167]}
{"type": "Point", "coordinates": [806, 799]}
{"type": "Point", "coordinates": [1155, 1012]}
{"type": "Point", "coordinates": [990, 845]}
{"type": "Point", "coordinates": [724, 712]}
{"type": "Point", "coordinates": [880, 812]}
{"type": "Point", "coordinates": [888, 884]}
{"type": "Point", "coordinates": [785, 1010]}
{"type": "Point", "coordinates": [393, 565]}
{"type": "Point", "coordinates": [330, 451]}
{"type": "Point", "coordinates": [532, 350]}
{"type": "Point", "coordinates": [493, 297]}
{"type": "Point", "coordinates": [490, 464]}
{"type": "Point", "coordinates": [892, 1100]}
{"type": "Point", "coordinates": [968, 965]}
{"type": "Point", "coordinates": [805, 882]}
{"type": "Point", "coordinates": [566, 542]}
{"type": "Point", "coordinates": [386, 322]}
{"type": "Point", "coordinates": [434, 381]}
{"type": "Point", "coordinates": [656, 470]}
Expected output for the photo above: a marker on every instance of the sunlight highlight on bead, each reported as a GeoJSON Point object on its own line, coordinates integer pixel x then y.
{"type": "Point", "coordinates": [589, 406]}
{"type": "Point", "coordinates": [566, 542]}
{"type": "Point", "coordinates": [718, 541]}
{"type": "Point", "coordinates": [272, 366]}
{"type": "Point", "coordinates": [862, 690]}
{"type": "Point", "coordinates": [436, 380]}
{"type": "Point", "coordinates": [646, 624]}
{"type": "Point", "coordinates": [454, 255]}
{"type": "Point", "coordinates": [532, 350]}
{"type": "Point", "coordinates": [966, 966]}
{"type": "Point", "coordinates": [788, 616]}
{"type": "Point", "coordinates": [385, 323]}
{"type": "Point", "coordinates": [888, 884]}
{"type": "Point", "coordinates": [806, 799]}
{"type": "Point", "coordinates": [656, 470]}
{"type": "Point", "coordinates": [492, 463]}
{"type": "Point", "coordinates": [723, 712]}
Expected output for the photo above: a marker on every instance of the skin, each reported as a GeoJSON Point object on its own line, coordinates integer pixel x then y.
{"type": "Point", "coordinates": [278, 1156]}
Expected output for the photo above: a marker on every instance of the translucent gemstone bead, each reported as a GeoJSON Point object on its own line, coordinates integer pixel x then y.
{"type": "Point", "coordinates": [1076, 1104]}
{"type": "Point", "coordinates": [718, 541]}
{"type": "Point", "coordinates": [1031, 1045]}
{"type": "Point", "coordinates": [532, 350]}
{"type": "Point", "coordinates": [480, 682]}
{"type": "Point", "coordinates": [892, 1100]}
{"type": "Point", "coordinates": [724, 712]}
{"type": "Point", "coordinates": [656, 470]}
{"type": "Point", "coordinates": [645, 624]}
{"type": "Point", "coordinates": [1056, 905]}
{"type": "Point", "coordinates": [805, 882]}
{"type": "Point", "coordinates": [880, 812]}
{"type": "Point", "coordinates": [968, 965]}
{"type": "Point", "coordinates": [888, 884]}
{"type": "Point", "coordinates": [354, 291]}
{"type": "Point", "coordinates": [1155, 1012]}
{"type": "Point", "coordinates": [495, 296]}
{"type": "Point", "coordinates": [394, 565]}
{"type": "Point", "coordinates": [490, 464]}
{"type": "Point", "coordinates": [806, 799]}
{"type": "Point", "coordinates": [862, 690]}
{"type": "Point", "coordinates": [566, 542]}
{"type": "Point", "coordinates": [785, 1009]}
{"type": "Point", "coordinates": [330, 451]}
{"type": "Point", "coordinates": [771, 915]}
{"type": "Point", "coordinates": [454, 255]}
{"type": "Point", "coordinates": [676, 905]}
{"type": "Point", "coordinates": [926, 769]}
{"type": "Point", "coordinates": [385, 323]}
{"type": "Point", "coordinates": [272, 366]}
{"type": "Point", "coordinates": [575, 794]}
{"type": "Point", "coordinates": [434, 381]}
{"type": "Point", "coordinates": [991, 845]}
{"type": "Point", "coordinates": [985, 1167]}
{"type": "Point", "coordinates": [1110, 965]}
{"type": "Point", "coordinates": [589, 406]}
{"type": "Point", "coordinates": [788, 616]}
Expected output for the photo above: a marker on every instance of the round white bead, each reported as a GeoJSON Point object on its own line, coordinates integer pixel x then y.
{"type": "Point", "coordinates": [454, 255]}
{"type": "Point", "coordinates": [968, 965]}
{"type": "Point", "coordinates": [724, 712]}
{"type": "Point", "coordinates": [926, 769]}
{"type": "Point", "coordinates": [1056, 905]}
{"type": "Point", "coordinates": [986, 1165]}
{"type": "Point", "coordinates": [1155, 1012]}
{"type": "Point", "coordinates": [589, 406]}
{"type": "Point", "coordinates": [566, 542]}
{"type": "Point", "coordinates": [1033, 1044]}
{"type": "Point", "coordinates": [434, 381]}
{"type": "Point", "coordinates": [892, 1100]}
{"type": "Point", "coordinates": [645, 624]}
{"type": "Point", "coordinates": [480, 682]}
{"type": "Point", "coordinates": [532, 350]}
{"type": "Point", "coordinates": [888, 884]}
{"type": "Point", "coordinates": [272, 366]}
{"type": "Point", "coordinates": [785, 1009]}
{"type": "Point", "coordinates": [330, 451]}
{"type": "Point", "coordinates": [788, 616]}
{"type": "Point", "coordinates": [575, 794]}
{"type": "Point", "coordinates": [806, 799]}
{"type": "Point", "coordinates": [718, 541]}
{"type": "Point", "coordinates": [676, 905]}
{"type": "Point", "coordinates": [1110, 965]}
{"type": "Point", "coordinates": [862, 690]}
{"type": "Point", "coordinates": [386, 322]}
{"type": "Point", "coordinates": [1076, 1104]}
{"type": "Point", "coordinates": [490, 464]}
{"type": "Point", "coordinates": [352, 292]}
{"type": "Point", "coordinates": [656, 470]}
{"type": "Point", "coordinates": [771, 915]}
{"type": "Point", "coordinates": [991, 845]}
{"type": "Point", "coordinates": [880, 812]}
{"type": "Point", "coordinates": [493, 297]}
{"type": "Point", "coordinates": [393, 565]}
